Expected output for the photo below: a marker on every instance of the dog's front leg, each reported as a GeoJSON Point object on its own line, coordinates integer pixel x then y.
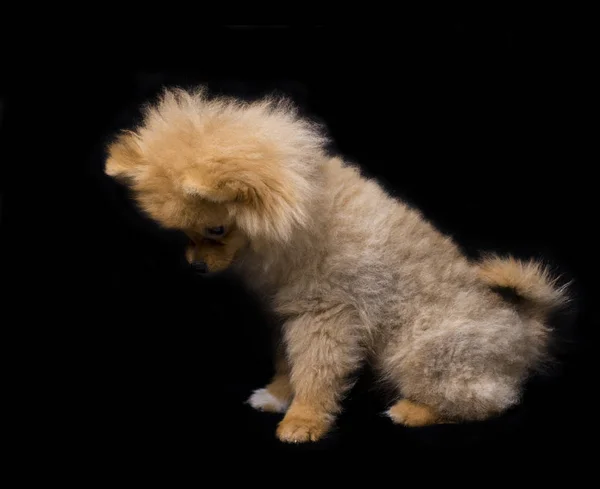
{"type": "Point", "coordinates": [323, 350]}
{"type": "Point", "coordinates": [277, 395]}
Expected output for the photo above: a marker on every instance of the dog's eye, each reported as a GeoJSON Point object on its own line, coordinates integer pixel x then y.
{"type": "Point", "coordinates": [216, 231]}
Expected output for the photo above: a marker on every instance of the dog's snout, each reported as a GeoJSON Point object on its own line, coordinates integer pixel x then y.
{"type": "Point", "coordinates": [199, 267]}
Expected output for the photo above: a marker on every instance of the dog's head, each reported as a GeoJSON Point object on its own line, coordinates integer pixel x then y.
{"type": "Point", "coordinates": [225, 172]}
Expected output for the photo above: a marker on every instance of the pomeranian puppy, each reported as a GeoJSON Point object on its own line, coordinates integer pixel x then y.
{"type": "Point", "coordinates": [354, 274]}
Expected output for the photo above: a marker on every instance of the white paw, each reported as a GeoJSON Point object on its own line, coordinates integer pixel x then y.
{"type": "Point", "coordinates": [263, 400]}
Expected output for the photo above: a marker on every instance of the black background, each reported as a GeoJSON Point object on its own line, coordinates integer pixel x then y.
{"type": "Point", "coordinates": [480, 125]}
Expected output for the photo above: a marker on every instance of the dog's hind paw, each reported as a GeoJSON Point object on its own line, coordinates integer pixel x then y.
{"type": "Point", "coordinates": [410, 413]}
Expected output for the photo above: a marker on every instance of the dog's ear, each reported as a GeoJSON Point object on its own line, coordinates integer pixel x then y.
{"type": "Point", "coordinates": [124, 161]}
{"type": "Point", "coordinates": [260, 199]}
{"type": "Point", "coordinates": [204, 186]}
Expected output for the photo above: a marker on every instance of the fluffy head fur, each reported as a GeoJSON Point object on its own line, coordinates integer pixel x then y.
{"type": "Point", "coordinates": [354, 274]}
{"type": "Point", "coordinates": [196, 163]}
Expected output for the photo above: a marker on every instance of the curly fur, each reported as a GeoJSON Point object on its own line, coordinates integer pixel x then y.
{"type": "Point", "coordinates": [354, 274]}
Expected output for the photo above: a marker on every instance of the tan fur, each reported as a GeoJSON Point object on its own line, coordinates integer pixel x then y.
{"type": "Point", "coordinates": [354, 274]}
{"type": "Point", "coordinates": [530, 280]}
{"type": "Point", "coordinates": [412, 414]}
{"type": "Point", "coordinates": [302, 423]}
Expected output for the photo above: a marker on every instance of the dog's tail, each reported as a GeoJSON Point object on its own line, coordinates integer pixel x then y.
{"type": "Point", "coordinates": [529, 285]}
{"type": "Point", "coordinates": [535, 294]}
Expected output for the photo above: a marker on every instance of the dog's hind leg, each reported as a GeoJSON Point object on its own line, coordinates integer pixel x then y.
{"type": "Point", "coordinates": [460, 370]}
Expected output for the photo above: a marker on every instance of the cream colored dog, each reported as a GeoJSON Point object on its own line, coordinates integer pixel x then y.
{"type": "Point", "coordinates": [355, 275]}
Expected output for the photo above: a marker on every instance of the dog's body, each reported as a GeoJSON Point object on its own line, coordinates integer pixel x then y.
{"type": "Point", "coordinates": [354, 274]}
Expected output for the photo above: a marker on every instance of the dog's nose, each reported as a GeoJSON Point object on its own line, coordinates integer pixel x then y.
{"type": "Point", "coordinates": [199, 267]}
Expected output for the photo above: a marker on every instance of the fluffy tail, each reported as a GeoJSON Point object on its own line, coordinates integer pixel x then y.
{"type": "Point", "coordinates": [528, 284]}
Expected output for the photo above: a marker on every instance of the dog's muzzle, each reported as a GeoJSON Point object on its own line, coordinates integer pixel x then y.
{"type": "Point", "coordinates": [199, 267]}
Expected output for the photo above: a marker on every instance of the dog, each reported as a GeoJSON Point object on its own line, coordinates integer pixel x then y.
{"type": "Point", "coordinates": [355, 275]}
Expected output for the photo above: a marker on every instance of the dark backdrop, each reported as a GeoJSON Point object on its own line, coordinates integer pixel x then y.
{"type": "Point", "coordinates": [479, 125]}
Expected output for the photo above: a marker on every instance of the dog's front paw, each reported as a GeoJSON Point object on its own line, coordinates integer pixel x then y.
{"type": "Point", "coordinates": [263, 400]}
{"type": "Point", "coordinates": [297, 429]}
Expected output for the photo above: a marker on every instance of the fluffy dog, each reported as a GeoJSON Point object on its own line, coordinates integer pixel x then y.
{"type": "Point", "coordinates": [354, 274]}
